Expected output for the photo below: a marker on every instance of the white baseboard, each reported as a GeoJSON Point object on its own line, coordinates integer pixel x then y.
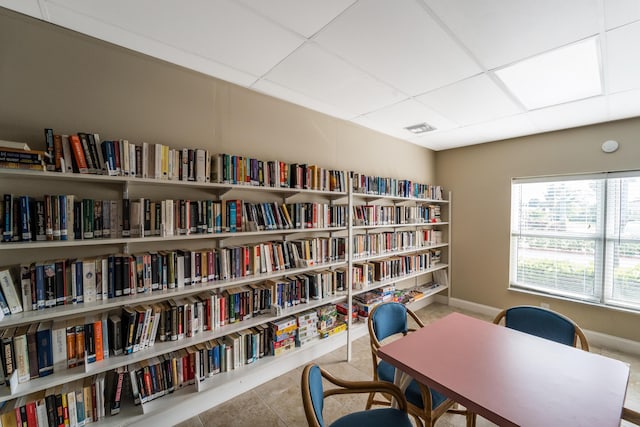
{"type": "Point", "coordinates": [597, 339]}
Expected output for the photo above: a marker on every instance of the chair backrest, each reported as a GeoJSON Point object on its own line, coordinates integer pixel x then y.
{"type": "Point", "coordinates": [543, 323]}
{"type": "Point", "coordinates": [388, 319]}
{"type": "Point", "coordinates": [313, 395]}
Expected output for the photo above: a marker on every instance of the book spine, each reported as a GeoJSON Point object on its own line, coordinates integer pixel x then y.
{"type": "Point", "coordinates": [78, 153]}
{"type": "Point", "coordinates": [50, 150]}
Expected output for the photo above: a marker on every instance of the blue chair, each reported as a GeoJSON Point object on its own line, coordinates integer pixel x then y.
{"type": "Point", "coordinates": [543, 323]}
{"type": "Point", "coordinates": [313, 395]}
{"type": "Point", "coordinates": [389, 319]}
{"type": "Point", "coordinates": [631, 416]}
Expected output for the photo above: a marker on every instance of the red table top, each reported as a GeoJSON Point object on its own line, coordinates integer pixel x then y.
{"type": "Point", "coordinates": [512, 378]}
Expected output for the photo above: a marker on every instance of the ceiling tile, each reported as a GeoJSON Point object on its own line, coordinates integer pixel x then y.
{"type": "Point", "coordinates": [470, 101]}
{"type": "Point", "coordinates": [623, 105]}
{"type": "Point", "coordinates": [503, 128]}
{"type": "Point", "coordinates": [397, 117]}
{"type": "Point", "coordinates": [399, 44]}
{"type": "Point", "coordinates": [87, 25]}
{"type": "Point", "coordinates": [304, 17]}
{"type": "Point", "coordinates": [220, 30]}
{"type": "Point", "coordinates": [620, 12]}
{"type": "Point", "coordinates": [277, 91]}
{"type": "Point", "coordinates": [315, 73]}
{"type": "Point", "coordinates": [562, 75]}
{"type": "Point", "coordinates": [28, 7]}
{"type": "Point", "coordinates": [622, 69]}
{"type": "Point", "coordinates": [579, 113]}
{"type": "Point", "coordinates": [499, 32]}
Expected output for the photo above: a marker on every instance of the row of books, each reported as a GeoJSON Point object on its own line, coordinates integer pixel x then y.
{"type": "Point", "coordinates": [390, 241]}
{"type": "Point", "coordinates": [377, 185]}
{"type": "Point", "coordinates": [40, 349]}
{"type": "Point", "coordinates": [74, 404]}
{"type": "Point", "coordinates": [233, 169]}
{"type": "Point", "coordinates": [63, 217]}
{"type": "Point", "coordinates": [162, 375]}
{"type": "Point", "coordinates": [366, 274]}
{"type": "Point", "coordinates": [395, 215]}
{"type": "Point", "coordinates": [85, 153]}
{"type": "Point", "coordinates": [71, 281]}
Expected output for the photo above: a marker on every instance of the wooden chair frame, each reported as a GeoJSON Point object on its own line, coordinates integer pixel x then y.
{"type": "Point", "coordinates": [426, 413]}
{"type": "Point", "coordinates": [631, 416]}
{"type": "Point", "coordinates": [345, 387]}
{"type": "Point", "coordinates": [578, 335]}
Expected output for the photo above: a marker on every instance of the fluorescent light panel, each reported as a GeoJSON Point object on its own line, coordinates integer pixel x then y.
{"type": "Point", "coordinates": [562, 75]}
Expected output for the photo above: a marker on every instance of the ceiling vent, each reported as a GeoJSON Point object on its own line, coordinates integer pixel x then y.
{"type": "Point", "coordinates": [420, 128]}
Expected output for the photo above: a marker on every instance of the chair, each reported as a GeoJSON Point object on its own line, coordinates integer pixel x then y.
{"type": "Point", "coordinates": [631, 416]}
{"type": "Point", "coordinates": [543, 323]}
{"type": "Point", "coordinates": [389, 319]}
{"type": "Point", "coordinates": [313, 395]}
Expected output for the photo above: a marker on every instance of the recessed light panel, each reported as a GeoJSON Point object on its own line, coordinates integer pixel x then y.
{"type": "Point", "coordinates": [562, 75]}
{"type": "Point", "coordinates": [420, 128]}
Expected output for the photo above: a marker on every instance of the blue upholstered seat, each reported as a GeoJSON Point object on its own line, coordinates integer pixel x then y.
{"type": "Point", "coordinates": [386, 372]}
{"type": "Point", "coordinates": [372, 418]}
{"type": "Point", "coordinates": [543, 323]}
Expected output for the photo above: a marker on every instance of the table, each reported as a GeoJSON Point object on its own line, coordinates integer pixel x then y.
{"type": "Point", "coordinates": [512, 378]}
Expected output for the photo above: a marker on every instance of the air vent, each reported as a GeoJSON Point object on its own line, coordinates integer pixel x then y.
{"type": "Point", "coordinates": [420, 128]}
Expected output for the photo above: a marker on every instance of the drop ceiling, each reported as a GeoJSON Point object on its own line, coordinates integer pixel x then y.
{"type": "Point", "coordinates": [391, 64]}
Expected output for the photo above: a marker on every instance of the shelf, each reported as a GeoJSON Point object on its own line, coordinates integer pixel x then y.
{"type": "Point", "coordinates": [159, 348]}
{"type": "Point", "coordinates": [360, 259]}
{"type": "Point", "coordinates": [374, 197]}
{"type": "Point", "coordinates": [393, 280]}
{"type": "Point", "coordinates": [221, 387]}
{"type": "Point", "coordinates": [416, 224]}
{"type": "Point", "coordinates": [106, 179]}
{"type": "Point", "coordinates": [226, 385]}
{"type": "Point", "coordinates": [71, 310]}
{"type": "Point", "coordinates": [151, 239]}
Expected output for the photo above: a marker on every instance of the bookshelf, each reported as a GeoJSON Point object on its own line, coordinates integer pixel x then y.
{"type": "Point", "coordinates": [225, 385]}
{"type": "Point", "coordinates": [398, 239]}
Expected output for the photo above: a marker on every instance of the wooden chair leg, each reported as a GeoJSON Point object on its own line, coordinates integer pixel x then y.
{"type": "Point", "coordinates": [471, 419]}
{"type": "Point", "coordinates": [370, 401]}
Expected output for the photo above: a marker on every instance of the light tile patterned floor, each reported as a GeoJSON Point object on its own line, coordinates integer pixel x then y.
{"type": "Point", "coordinates": [278, 402]}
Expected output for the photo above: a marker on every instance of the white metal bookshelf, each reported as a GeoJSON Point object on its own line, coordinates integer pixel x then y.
{"type": "Point", "coordinates": [225, 385]}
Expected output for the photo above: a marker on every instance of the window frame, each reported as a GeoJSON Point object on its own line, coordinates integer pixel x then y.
{"type": "Point", "coordinates": [605, 240]}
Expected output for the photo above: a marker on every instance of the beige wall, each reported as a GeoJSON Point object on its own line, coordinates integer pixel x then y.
{"type": "Point", "coordinates": [51, 77]}
{"type": "Point", "coordinates": [480, 176]}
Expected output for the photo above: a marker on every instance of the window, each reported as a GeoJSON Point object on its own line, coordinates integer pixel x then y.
{"type": "Point", "coordinates": [578, 237]}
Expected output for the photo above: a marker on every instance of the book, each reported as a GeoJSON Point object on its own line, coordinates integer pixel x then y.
{"type": "Point", "coordinates": [67, 154]}
{"type": "Point", "coordinates": [10, 293]}
{"type": "Point", "coordinates": [59, 345]}
{"type": "Point", "coordinates": [23, 146]}
{"type": "Point", "coordinates": [21, 352]}
{"type": "Point", "coordinates": [49, 147]}
{"type": "Point", "coordinates": [45, 349]}
{"type": "Point", "coordinates": [78, 154]}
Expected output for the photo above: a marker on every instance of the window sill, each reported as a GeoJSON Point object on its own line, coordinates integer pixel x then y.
{"type": "Point", "coordinates": [574, 300]}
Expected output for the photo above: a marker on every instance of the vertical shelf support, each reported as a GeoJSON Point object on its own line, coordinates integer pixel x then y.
{"type": "Point", "coordinates": [349, 254]}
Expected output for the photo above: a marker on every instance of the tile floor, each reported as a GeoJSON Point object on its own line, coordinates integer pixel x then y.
{"type": "Point", "coordinates": [278, 402]}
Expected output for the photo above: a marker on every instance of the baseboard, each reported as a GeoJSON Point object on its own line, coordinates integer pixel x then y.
{"type": "Point", "coordinates": [597, 339]}
{"type": "Point", "coordinates": [475, 307]}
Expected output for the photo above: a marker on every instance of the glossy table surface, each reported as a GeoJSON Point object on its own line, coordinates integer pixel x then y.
{"type": "Point", "coordinates": [512, 378]}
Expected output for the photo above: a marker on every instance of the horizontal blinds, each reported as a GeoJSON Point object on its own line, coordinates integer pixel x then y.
{"type": "Point", "coordinates": [557, 235]}
{"type": "Point", "coordinates": [622, 251]}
